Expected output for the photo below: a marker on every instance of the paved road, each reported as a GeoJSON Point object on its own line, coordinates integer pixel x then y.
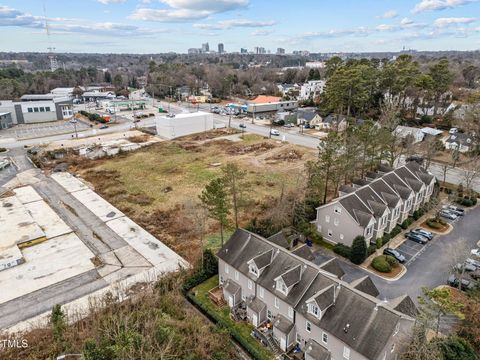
{"type": "Point", "coordinates": [432, 266]}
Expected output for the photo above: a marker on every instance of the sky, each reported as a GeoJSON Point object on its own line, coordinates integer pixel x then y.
{"type": "Point", "coordinates": [156, 26]}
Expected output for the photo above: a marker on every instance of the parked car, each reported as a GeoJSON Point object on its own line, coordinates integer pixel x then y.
{"type": "Point", "coordinates": [475, 252]}
{"type": "Point", "coordinates": [275, 132]}
{"type": "Point", "coordinates": [447, 214]}
{"type": "Point", "coordinates": [475, 263]}
{"type": "Point", "coordinates": [417, 158]}
{"type": "Point", "coordinates": [417, 238]}
{"type": "Point", "coordinates": [466, 267]}
{"type": "Point", "coordinates": [103, 127]}
{"type": "Point", "coordinates": [475, 275]}
{"type": "Point", "coordinates": [242, 126]}
{"type": "Point", "coordinates": [423, 232]}
{"type": "Point", "coordinates": [454, 281]}
{"type": "Point", "coordinates": [456, 210]}
{"type": "Point", "coordinates": [288, 125]}
{"type": "Point", "coordinates": [395, 254]}
{"type": "Point", "coordinates": [453, 131]}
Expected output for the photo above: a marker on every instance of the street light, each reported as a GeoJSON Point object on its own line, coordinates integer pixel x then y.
{"type": "Point", "coordinates": [74, 122]}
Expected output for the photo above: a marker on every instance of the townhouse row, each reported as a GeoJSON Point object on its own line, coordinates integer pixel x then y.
{"type": "Point", "coordinates": [373, 206]}
{"type": "Point", "coordinates": [308, 306]}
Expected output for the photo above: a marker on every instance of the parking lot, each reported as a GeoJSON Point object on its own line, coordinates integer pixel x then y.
{"type": "Point", "coordinates": [7, 174]}
{"type": "Point", "coordinates": [411, 250]}
{"type": "Point", "coordinates": [27, 131]}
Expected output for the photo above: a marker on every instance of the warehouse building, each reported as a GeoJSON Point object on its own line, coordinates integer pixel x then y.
{"type": "Point", "coordinates": [5, 120]}
{"type": "Point", "coordinates": [171, 127]}
{"type": "Point", "coordinates": [38, 108]}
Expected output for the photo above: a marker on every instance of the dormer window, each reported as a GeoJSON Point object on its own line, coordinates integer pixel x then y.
{"type": "Point", "coordinates": [253, 270]}
{"type": "Point", "coordinates": [282, 287]}
{"type": "Point", "coordinates": [314, 310]}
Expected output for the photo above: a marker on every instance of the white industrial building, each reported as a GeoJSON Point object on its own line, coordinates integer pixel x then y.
{"type": "Point", "coordinates": [38, 108]}
{"type": "Point", "coordinates": [171, 127]}
{"type": "Point", "coordinates": [312, 89]}
{"type": "Point", "coordinates": [254, 108]}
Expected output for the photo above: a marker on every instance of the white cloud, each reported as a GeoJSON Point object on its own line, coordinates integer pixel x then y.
{"type": "Point", "coordinates": [389, 14]}
{"type": "Point", "coordinates": [445, 22]}
{"type": "Point", "coordinates": [13, 17]}
{"type": "Point", "coordinates": [385, 27]}
{"type": "Point", "coordinates": [187, 10]}
{"type": "Point", "coordinates": [261, 32]}
{"type": "Point", "coordinates": [234, 23]}
{"type": "Point", "coordinates": [429, 5]}
{"type": "Point", "coordinates": [107, 2]}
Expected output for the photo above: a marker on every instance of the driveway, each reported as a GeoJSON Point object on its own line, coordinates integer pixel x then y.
{"type": "Point", "coordinates": [431, 265]}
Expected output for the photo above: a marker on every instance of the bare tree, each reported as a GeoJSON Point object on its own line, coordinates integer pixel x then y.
{"type": "Point", "coordinates": [198, 215]}
{"type": "Point", "coordinates": [470, 175]}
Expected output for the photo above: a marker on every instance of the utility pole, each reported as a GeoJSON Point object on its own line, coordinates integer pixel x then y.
{"type": "Point", "coordinates": [253, 114]}
{"type": "Point", "coordinates": [229, 119]}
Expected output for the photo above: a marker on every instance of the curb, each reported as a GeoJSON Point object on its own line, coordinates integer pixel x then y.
{"type": "Point", "coordinates": [398, 277]}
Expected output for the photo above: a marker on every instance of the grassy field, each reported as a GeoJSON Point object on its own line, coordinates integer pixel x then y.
{"type": "Point", "coordinates": [157, 185]}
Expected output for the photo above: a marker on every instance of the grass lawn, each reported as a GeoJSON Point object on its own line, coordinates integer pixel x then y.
{"type": "Point", "coordinates": [214, 241]}
{"type": "Point", "coordinates": [242, 328]}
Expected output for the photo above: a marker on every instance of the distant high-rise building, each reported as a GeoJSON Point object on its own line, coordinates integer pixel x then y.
{"type": "Point", "coordinates": [280, 51]}
{"type": "Point", "coordinates": [194, 51]}
{"type": "Point", "coordinates": [205, 47]}
{"type": "Point", "coordinates": [221, 49]}
{"type": "Point", "coordinates": [259, 50]}
{"type": "Point", "coordinates": [243, 51]}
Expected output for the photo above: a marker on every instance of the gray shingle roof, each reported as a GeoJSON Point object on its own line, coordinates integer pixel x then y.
{"type": "Point", "coordinates": [366, 285]}
{"type": "Point", "coordinates": [398, 185]}
{"type": "Point", "coordinates": [356, 208]}
{"type": "Point", "coordinates": [231, 286]}
{"type": "Point", "coordinates": [304, 252]}
{"type": "Point", "coordinates": [325, 298]}
{"type": "Point", "coordinates": [373, 200]}
{"type": "Point", "coordinates": [409, 178]}
{"type": "Point", "coordinates": [386, 192]}
{"type": "Point", "coordinates": [420, 172]}
{"type": "Point", "coordinates": [292, 276]}
{"type": "Point", "coordinates": [333, 267]}
{"type": "Point", "coordinates": [346, 189]}
{"type": "Point", "coordinates": [282, 324]}
{"type": "Point", "coordinates": [256, 304]}
{"type": "Point", "coordinates": [460, 138]}
{"type": "Point", "coordinates": [316, 351]}
{"type": "Point", "coordinates": [263, 260]}
{"type": "Point", "coordinates": [371, 323]}
{"type": "Point", "coordinates": [405, 305]}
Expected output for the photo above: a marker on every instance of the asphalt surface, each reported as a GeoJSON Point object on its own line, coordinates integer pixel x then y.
{"type": "Point", "coordinates": [432, 263]}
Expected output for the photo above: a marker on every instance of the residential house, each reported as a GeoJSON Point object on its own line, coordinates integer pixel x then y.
{"type": "Point", "coordinates": [459, 141]}
{"type": "Point", "coordinates": [373, 206]}
{"type": "Point", "coordinates": [404, 132]}
{"type": "Point", "coordinates": [333, 122]}
{"type": "Point", "coordinates": [288, 89]}
{"type": "Point", "coordinates": [308, 306]}
{"type": "Point", "coordinates": [312, 89]}
{"type": "Point", "coordinates": [312, 118]}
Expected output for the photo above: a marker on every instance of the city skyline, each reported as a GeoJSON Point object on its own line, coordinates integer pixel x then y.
{"type": "Point", "coordinates": [157, 26]}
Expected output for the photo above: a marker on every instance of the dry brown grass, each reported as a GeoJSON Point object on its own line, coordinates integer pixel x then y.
{"type": "Point", "coordinates": [153, 184]}
{"type": "Point", "coordinates": [154, 323]}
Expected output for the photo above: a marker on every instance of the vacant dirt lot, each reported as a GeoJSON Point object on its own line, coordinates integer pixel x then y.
{"type": "Point", "coordinates": [157, 185]}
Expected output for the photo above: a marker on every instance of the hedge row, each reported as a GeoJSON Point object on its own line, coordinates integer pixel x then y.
{"type": "Point", "coordinates": [342, 250]}
{"type": "Point", "coordinates": [213, 316]}
{"type": "Point", "coordinates": [408, 221]}
{"type": "Point", "coordinates": [466, 201]}
{"type": "Point", "coordinates": [93, 117]}
{"type": "Point", "coordinates": [209, 268]}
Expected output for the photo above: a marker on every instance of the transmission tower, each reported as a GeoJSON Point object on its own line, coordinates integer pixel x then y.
{"type": "Point", "coordinates": [51, 50]}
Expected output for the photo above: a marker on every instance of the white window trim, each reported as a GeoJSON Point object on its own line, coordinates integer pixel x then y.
{"type": "Point", "coordinates": [276, 302]}
{"type": "Point", "coordinates": [336, 222]}
{"type": "Point", "coordinates": [290, 312]}
{"type": "Point", "coordinates": [324, 336]}
{"type": "Point", "coordinates": [252, 269]}
{"type": "Point", "coordinates": [227, 270]}
{"type": "Point", "coordinates": [249, 284]}
{"type": "Point", "coordinates": [327, 218]}
{"type": "Point", "coordinates": [307, 325]}
{"type": "Point", "coordinates": [269, 314]}
{"type": "Point", "coordinates": [261, 292]}
{"type": "Point", "coordinates": [346, 353]}
{"type": "Point", "coordinates": [236, 275]}
{"type": "Point", "coordinates": [330, 233]}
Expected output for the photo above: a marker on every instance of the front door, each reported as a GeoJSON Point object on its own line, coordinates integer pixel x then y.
{"type": "Point", "coordinates": [283, 343]}
{"type": "Point", "coordinates": [230, 301]}
{"type": "Point", "coordinates": [254, 320]}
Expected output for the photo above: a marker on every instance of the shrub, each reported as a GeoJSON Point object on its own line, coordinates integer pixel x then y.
{"type": "Point", "coordinates": [342, 250]}
{"type": "Point", "coordinates": [408, 221]}
{"type": "Point", "coordinates": [395, 231]}
{"type": "Point", "coordinates": [371, 249]}
{"type": "Point", "coordinates": [381, 264]}
{"type": "Point", "coordinates": [416, 215]}
{"type": "Point", "coordinates": [386, 238]}
{"type": "Point", "coordinates": [208, 269]}
{"type": "Point", "coordinates": [391, 260]}
{"type": "Point", "coordinates": [379, 242]}
{"type": "Point", "coordinates": [358, 252]}
{"type": "Point", "coordinates": [474, 200]}
{"type": "Point", "coordinates": [433, 224]}
{"type": "Point", "coordinates": [2, 149]}
{"type": "Point", "coordinates": [467, 202]}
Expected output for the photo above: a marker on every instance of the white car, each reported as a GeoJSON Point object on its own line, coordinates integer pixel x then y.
{"type": "Point", "coordinates": [453, 131]}
{"type": "Point", "coordinates": [275, 132]}
{"type": "Point", "coordinates": [475, 252]}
